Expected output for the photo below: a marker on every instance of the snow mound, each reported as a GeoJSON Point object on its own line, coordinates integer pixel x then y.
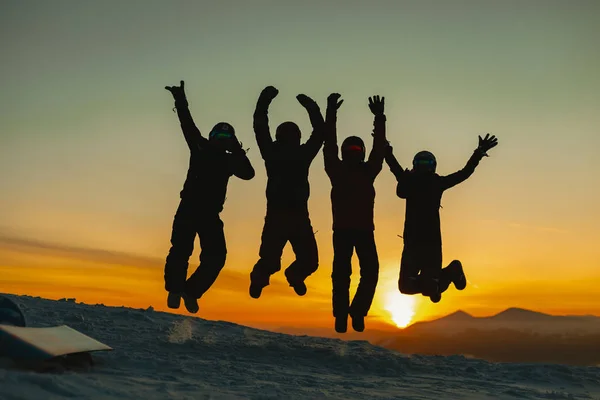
{"type": "Point", "coordinates": [160, 356]}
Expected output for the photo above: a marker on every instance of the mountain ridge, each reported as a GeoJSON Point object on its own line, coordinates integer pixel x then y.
{"type": "Point", "coordinates": [513, 318]}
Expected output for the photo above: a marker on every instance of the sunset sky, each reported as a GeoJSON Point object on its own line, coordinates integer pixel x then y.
{"type": "Point", "coordinates": [92, 158]}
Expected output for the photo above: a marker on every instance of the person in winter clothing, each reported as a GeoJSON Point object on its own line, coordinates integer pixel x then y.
{"type": "Point", "coordinates": [212, 162]}
{"type": "Point", "coordinates": [421, 266]}
{"type": "Point", "coordinates": [352, 201]}
{"type": "Point", "coordinates": [287, 163]}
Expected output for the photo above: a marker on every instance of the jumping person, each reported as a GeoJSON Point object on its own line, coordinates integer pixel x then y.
{"type": "Point", "coordinates": [287, 163]}
{"type": "Point", "coordinates": [353, 200]}
{"type": "Point", "coordinates": [212, 162]}
{"type": "Point", "coordinates": [421, 266]}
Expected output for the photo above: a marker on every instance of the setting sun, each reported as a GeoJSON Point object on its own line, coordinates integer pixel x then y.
{"type": "Point", "coordinates": [401, 307]}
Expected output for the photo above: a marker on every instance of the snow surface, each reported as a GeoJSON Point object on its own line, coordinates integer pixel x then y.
{"type": "Point", "coordinates": [166, 356]}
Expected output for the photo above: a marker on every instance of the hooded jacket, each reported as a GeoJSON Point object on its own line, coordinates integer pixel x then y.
{"type": "Point", "coordinates": [352, 183]}
{"type": "Point", "coordinates": [423, 193]}
{"type": "Point", "coordinates": [287, 166]}
{"type": "Point", "coordinates": [209, 168]}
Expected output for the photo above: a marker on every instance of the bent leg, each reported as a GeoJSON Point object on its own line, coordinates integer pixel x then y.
{"type": "Point", "coordinates": [343, 247]}
{"type": "Point", "coordinates": [453, 273]}
{"type": "Point", "coordinates": [409, 283]}
{"type": "Point", "coordinates": [431, 270]}
{"type": "Point", "coordinates": [305, 248]}
{"type": "Point", "coordinates": [182, 246]}
{"type": "Point", "coordinates": [366, 250]}
{"type": "Point", "coordinates": [273, 240]}
{"type": "Point", "coordinates": [212, 256]}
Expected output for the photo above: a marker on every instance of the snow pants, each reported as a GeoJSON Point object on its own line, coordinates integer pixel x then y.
{"type": "Point", "coordinates": [281, 227]}
{"type": "Point", "coordinates": [190, 221]}
{"type": "Point", "coordinates": [344, 243]}
{"type": "Point", "coordinates": [421, 263]}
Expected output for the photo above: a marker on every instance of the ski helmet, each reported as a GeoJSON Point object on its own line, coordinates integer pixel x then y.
{"type": "Point", "coordinates": [222, 130]}
{"type": "Point", "coordinates": [353, 148]}
{"type": "Point", "coordinates": [288, 133]}
{"type": "Point", "coordinates": [424, 161]}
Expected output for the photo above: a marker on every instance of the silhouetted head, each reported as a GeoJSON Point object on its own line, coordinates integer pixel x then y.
{"type": "Point", "coordinates": [288, 134]}
{"type": "Point", "coordinates": [424, 161]}
{"type": "Point", "coordinates": [353, 149]}
{"type": "Point", "coordinates": [221, 135]}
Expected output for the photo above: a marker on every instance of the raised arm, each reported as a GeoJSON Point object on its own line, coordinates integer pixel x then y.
{"type": "Point", "coordinates": [330, 147]}
{"type": "Point", "coordinates": [392, 162]}
{"type": "Point", "coordinates": [261, 120]}
{"type": "Point", "coordinates": [375, 161]}
{"type": "Point", "coordinates": [240, 164]}
{"type": "Point", "coordinates": [192, 134]}
{"type": "Point", "coordinates": [457, 177]}
{"type": "Point", "coordinates": [315, 141]}
{"type": "Point", "coordinates": [402, 186]}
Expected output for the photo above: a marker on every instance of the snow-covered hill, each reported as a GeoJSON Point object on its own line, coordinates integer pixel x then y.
{"type": "Point", "coordinates": [165, 356]}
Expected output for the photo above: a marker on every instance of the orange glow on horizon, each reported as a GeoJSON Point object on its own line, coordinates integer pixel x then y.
{"type": "Point", "coordinates": [95, 277]}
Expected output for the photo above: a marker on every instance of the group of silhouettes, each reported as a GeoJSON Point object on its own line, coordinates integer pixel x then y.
{"type": "Point", "coordinates": [214, 160]}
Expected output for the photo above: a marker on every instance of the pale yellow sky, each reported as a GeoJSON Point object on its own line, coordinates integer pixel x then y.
{"type": "Point", "coordinates": [91, 155]}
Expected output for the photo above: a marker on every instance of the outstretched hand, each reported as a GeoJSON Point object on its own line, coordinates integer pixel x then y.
{"type": "Point", "coordinates": [268, 94]}
{"type": "Point", "coordinates": [306, 101]}
{"type": "Point", "coordinates": [332, 101]}
{"type": "Point", "coordinates": [177, 91]}
{"type": "Point", "coordinates": [377, 105]}
{"type": "Point", "coordinates": [487, 143]}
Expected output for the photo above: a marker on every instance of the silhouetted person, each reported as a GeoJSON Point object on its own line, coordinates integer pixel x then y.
{"type": "Point", "coordinates": [212, 162]}
{"type": "Point", "coordinates": [287, 162]}
{"type": "Point", "coordinates": [421, 266]}
{"type": "Point", "coordinates": [353, 200]}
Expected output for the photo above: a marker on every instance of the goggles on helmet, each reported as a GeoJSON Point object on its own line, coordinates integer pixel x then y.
{"type": "Point", "coordinates": [425, 162]}
{"type": "Point", "coordinates": [353, 148]}
{"type": "Point", "coordinates": [220, 135]}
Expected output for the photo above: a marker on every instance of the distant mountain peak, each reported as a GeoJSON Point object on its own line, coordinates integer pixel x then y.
{"type": "Point", "coordinates": [462, 313]}
{"type": "Point", "coordinates": [518, 309]}
{"type": "Point", "coordinates": [458, 315]}
{"type": "Point", "coordinates": [515, 312]}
